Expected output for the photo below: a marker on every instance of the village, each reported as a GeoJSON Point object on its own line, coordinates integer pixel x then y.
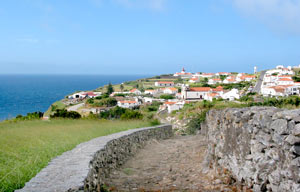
{"type": "Point", "coordinates": [173, 91]}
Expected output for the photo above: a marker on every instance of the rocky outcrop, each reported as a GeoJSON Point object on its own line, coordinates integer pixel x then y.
{"type": "Point", "coordinates": [84, 167]}
{"type": "Point", "coordinates": [259, 145]}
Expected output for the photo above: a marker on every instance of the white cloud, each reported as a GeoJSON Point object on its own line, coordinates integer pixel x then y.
{"type": "Point", "coordinates": [282, 15]}
{"type": "Point", "coordinates": [27, 40]}
{"type": "Point", "coordinates": [156, 5]}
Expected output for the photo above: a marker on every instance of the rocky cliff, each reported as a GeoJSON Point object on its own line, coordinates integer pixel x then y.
{"type": "Point", "coordinates": [259, 145]}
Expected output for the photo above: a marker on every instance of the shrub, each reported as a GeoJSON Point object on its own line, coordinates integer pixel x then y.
{"type": "Point", "coordinates": [90, 101]}
{"type": "Point", "coordinates": [131, 114]}
{"type": "Point", "coordinates": [106, 102]}
{"type": "Point", "coordinates": [246, 98]}
{"type": "Point", "coordinates": [154, 122]}
{"type": "Point", "coordinates": [167, 97]}
{"type": "Point", "coordinates": [30, 116]}
{"type": "Point", "coordinates": [114, 113]}
{"type": "Point", "coordinates": [63, 113]}
{"type": "Point", "coordinates": [195, 122]}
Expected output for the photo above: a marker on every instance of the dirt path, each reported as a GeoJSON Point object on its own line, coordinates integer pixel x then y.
{"type": "Point", "coordinates": [170, 165]}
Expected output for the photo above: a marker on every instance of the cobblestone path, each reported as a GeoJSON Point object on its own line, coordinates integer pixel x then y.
{"type": "Point", "coordinates": [170, 165]}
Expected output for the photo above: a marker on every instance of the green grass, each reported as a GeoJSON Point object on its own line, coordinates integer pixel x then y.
{"type": "Point", "coordinates": [58, 104]}
{"type": "Point", "coordinates": [27, 146]}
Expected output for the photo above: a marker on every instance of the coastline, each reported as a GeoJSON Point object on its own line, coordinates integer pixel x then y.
{"type": "Point", "coordinates": [24, 94]}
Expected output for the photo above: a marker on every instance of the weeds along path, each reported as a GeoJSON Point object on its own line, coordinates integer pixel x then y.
{"type": "Point", "coordinates": [169, 165]}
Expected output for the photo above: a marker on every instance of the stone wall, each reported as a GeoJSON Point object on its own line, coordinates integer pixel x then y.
{"type": "Point", "coordinates": [83, 168]}
{"type": "Point", "coordinates": [259, 145]}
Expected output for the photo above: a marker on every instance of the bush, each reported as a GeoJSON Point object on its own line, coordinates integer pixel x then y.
{"type": "Point", "coordinates": [90, 101]}
{"type": "Point", "coordinates": [131, 114]}
{"type": "Point", "coordinates": [105, 95]}
{"type": "Point", "coordinates": [106, 102]}
{"type": "Point", "coordinates": [114, 113]}
{"type": "Point", "coordinates": [167, 97]}
{"type": "Point", "coordinates": [30, 116]}
{"type": "Point", "coordinates": [195, 123]}
{"type": "Point", "coordinates": [121, 113]}
{"type": "Point", "coordinates": [154, 122]}
{"type": "Point", "coordinates": [246, 98]}
{"type": "Point", "coordinates": [63, 113]}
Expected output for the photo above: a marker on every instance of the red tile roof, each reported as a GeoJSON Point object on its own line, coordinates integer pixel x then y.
{"type": "Point", "coordinates": [128, 101]}
{"type": "Point", "coordinates": [285, 79]}
{"type": "Point", "coordinates": [170, 103]}
{"type": "Point", "coordinates": [200, 89]}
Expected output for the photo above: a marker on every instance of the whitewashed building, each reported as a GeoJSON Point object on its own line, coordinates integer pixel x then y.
{"type": "Point", "coordinates": [164, 84]}
{"type": "Point", "coordinates": [128, 104]}
{"type": "Point", "coordinates": [183, 74]}
{"type": "Point", "coordinates": [169, 90]}
{"type": "Point", "coordinates": [231, 95]}
{"type": "Point", "coordinates": [136, 92]}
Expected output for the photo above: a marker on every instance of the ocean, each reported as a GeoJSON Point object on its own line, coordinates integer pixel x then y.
{"type": "Point", "coordinates": [20, 94]}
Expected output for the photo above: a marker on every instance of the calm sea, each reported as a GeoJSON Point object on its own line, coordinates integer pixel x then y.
{"type": "Point", "coordinates": [20, 94]}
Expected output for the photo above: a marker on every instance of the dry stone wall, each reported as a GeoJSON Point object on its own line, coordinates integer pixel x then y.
{"type": "Point", "coordinates": [84, 167]}
{"type": "Point", "coordinates": [259, 145]}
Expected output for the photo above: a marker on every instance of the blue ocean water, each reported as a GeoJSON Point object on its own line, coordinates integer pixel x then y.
{"type": "Point", "coordinates": [20, 94]}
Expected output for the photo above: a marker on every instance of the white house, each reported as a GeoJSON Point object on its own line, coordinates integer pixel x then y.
{"type": "Point", "coordinates": [136, 92]}
{"type": "Point", "coordinates": [93, 94]}
{"type": "Point", "coordinates": [285, 81]}
{"type": "Point", "coordinates": [164, 84]}
{"type": "Point", "coordinates": [128, 104]}
{"type": "Point", "coordinates": [231, 95]}
{"type": "Point", "coordinates": [195, 93]}
{"type": "Point", "coordinates": [293, 90]}
{"type": "Point", "coordinates": [79, 95]}
{"type": "Point", "coordinates": [230, 79]}
{"type": "Point", "coordinates": [214, 81]}
{"type": "Point", "coordinates": [170, 90]}
{"type": "Point", "coordinates": [207, 75]}
{"type": "Point", "coordinates": [223, 73]}
{"type": "Point", "coordinates": [245, 78]}
{"type": "Point", "coordinates": [194, 80]}
{"type": "Point", "coordinates": [211, 96]}
{"type": "Point", "coordinates": [274, 91]}
{"type": "Point", "coordinates": [172, 105]}
{"type": "Point", "coordinates": [149, 91]}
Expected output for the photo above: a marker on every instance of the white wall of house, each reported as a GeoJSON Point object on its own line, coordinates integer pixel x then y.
{"type": "Point", "coordinates": [231, 95]}
{"type": "Point", "coordinates": [160, 84]}
{"type": "Point", "coordinates": [285, 82]}
{"type": "Point", "coordinates": [169, 91]}
{"type": "Point", "coordinates": [292, 90]}
{"type": "Point", "coordinates": [128, 105]}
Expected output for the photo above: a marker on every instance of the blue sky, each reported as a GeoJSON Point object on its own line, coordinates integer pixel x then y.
{"type": "Point", "coordinates": [147, 36]}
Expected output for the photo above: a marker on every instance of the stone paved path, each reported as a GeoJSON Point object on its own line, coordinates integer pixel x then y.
{"type": "Point", "coordinates": [169, 165]}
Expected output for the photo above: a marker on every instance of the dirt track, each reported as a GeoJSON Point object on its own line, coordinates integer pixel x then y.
{"type": "Point", "coordinates": [170, 165]}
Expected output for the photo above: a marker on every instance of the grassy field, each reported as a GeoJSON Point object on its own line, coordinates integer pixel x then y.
{"type": "Point", "coordinates": [26, 147]}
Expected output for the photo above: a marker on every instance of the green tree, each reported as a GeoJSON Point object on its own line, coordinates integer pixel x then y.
{"type": "Point", "coordinates": [110, 89]}
{"type": "Point", "coordinates": [222, 77]}
{"type": "Point", "coordinates": [122, 87]}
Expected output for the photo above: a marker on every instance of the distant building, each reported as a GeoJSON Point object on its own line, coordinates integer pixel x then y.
{"type": "Point", "coordinates": [231, 95]}
{"type": "Point", "coordinates": [194, 80]}
{"type": "Point", "coordinates": [169, 90]}
{"type": "Point", "coordinates": [214, 81]}
{"type": "Point", "coordinates": [172, 105]}
{"type": "Point", "coordinates": [183, 74]}
{"type": "Point", "coordinates": [128, 104]}
{"type": "Point", "coordinates": [195, 93]}
{"type": "Point", "coordinates": [164, 84]}
{"type": "Point", "coordinates": [136, 92]}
